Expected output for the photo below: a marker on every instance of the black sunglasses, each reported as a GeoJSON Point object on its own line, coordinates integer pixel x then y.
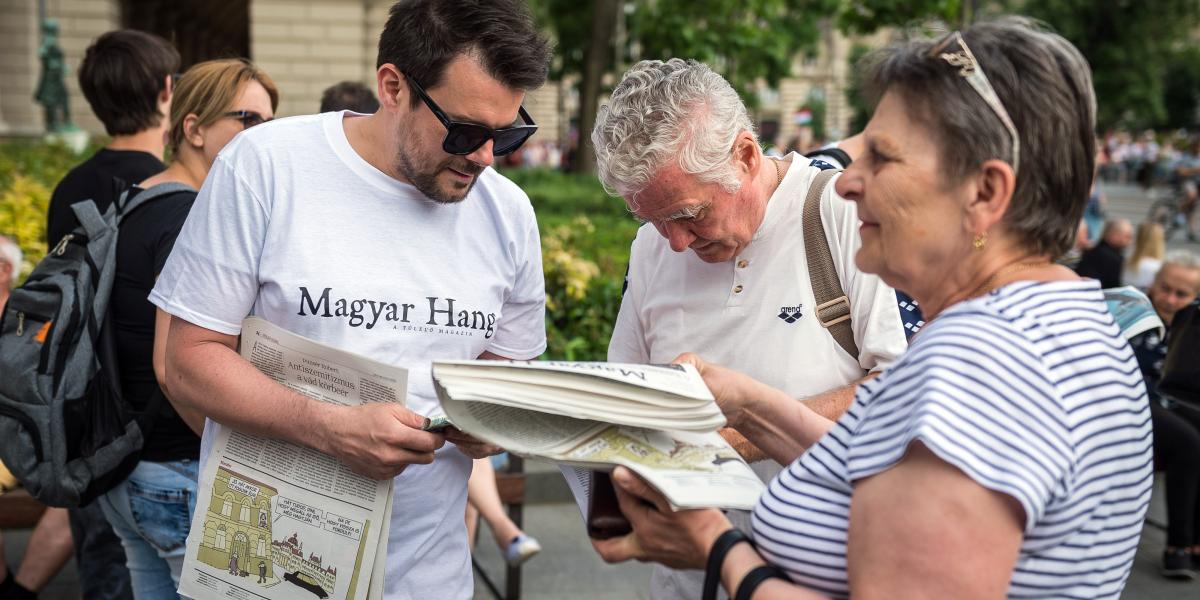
{"type": "Point", "coordinates": [248, 118]}
{"type": "Point", "coordinates": [465, 138]}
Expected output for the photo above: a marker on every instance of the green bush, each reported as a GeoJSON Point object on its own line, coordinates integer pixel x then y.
{"type": "Point", "coordinates": [29, 170]}
{"type": "Point", "coordinates": [585, 245]}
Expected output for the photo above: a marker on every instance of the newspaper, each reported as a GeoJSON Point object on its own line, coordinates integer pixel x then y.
{"type": "Point", "coordinates": [276, 520]}
{"type": "Point", "coordinates": [1132, 311]}
{"type": "Point", "coordinates": [691, 464]}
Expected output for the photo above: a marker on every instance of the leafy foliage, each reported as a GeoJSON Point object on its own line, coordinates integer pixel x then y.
{"type": "Point", "coordinates": [1128, 45]}
{"type": "Point", "coordinates": [1181, 93]}
{"type": "Point", "coordinates": [586, 236]}
{"type": "Point", "coordinates": [1138, 49]}
{"type": "Point", "coordinates": [745, 40]}
{"type": "Point", "coordinates": [28, 172]}
{"type": "Point", "coordinates": [866, 16]}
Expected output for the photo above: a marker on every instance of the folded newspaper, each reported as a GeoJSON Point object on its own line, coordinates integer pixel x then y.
{"type": "Point", "coordinates": [1132, 311]}
{"type": "Point", "coordinates": [659, 421]}
{"type": "Point", "coordinates": [275, 520]}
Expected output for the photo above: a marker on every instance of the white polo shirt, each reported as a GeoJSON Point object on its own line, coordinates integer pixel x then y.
{"type": "Point", "coordinates": [755, 314]}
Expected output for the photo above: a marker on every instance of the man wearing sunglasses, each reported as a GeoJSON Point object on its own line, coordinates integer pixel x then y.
{"type": "Point", "coordinates": [386, 235]}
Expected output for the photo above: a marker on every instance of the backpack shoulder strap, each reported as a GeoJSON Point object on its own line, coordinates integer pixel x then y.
{"type": "Point", "coordinates": [127, 205]}
{"type": "Point", "coordinates": [833, 306]}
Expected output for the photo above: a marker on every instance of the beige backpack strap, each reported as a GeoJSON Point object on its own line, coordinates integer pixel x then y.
{"type": "Point", "coordinates": [833, 307]}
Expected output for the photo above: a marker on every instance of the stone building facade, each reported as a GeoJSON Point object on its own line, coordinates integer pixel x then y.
{"type": "Point", "coordinates": [306, 46]}
{"type": "Point", "coordinates": [237, 525]}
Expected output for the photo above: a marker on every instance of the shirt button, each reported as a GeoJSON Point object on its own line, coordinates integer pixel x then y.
{"type": "Point", "coordinates": [743, 263]}
{"type": "Point", "coordinates": [737, 289]}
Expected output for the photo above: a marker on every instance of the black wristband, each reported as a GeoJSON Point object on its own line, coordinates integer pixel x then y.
{"type": "Point", "coordinates": [716, 557]}
{"type": "Point", "coordinates": [754, 578]}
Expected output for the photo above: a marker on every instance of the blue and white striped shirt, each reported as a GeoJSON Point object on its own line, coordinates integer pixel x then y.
{"type": "Point", "coordinates": [1030, 391]}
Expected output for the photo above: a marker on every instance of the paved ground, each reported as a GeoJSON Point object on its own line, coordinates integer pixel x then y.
{"type": "Point", "coordinates": [567, 567]}
{"type": "Point", "coordinates": [1130, 202]}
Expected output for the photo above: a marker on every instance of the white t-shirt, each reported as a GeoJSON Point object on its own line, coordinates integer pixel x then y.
{"type": "Point", "coordinates": [1142, 274]}
{"type": "Point", "coordinates": [294, 226]}
{"type": "Point", "coordinates": [1031, 392]}
{"type": "Point", "coordinates": [755, 314]}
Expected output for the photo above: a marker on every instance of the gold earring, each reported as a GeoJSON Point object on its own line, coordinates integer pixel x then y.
{"type": "Point", "coordinates": [980, 241]}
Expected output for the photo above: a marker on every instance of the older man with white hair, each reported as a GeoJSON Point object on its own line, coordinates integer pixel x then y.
{"type": "Point", "coordinates": [723, 268]}
{"type": "Point", "coordinates": [10, 267]}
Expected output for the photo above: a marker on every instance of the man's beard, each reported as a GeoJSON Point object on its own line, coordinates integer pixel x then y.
{"type": "Point", "coordinates": [427, 183]}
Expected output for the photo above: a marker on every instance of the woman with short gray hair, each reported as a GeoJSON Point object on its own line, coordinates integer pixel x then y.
{"type": "Point", "coordinates": [1008, 452]}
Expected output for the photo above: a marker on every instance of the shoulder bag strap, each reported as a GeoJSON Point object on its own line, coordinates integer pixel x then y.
{"type": "Point", "coordinates": [833, 307]}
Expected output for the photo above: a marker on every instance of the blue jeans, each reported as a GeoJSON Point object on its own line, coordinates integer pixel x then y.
{"type": "Point", "coordinates": [151, 512]}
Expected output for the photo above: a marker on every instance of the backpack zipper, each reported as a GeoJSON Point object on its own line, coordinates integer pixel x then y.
{"type": "Point", "coordinates": [20, 324]}
{"type": "Point", "coordinates": [61, 247]}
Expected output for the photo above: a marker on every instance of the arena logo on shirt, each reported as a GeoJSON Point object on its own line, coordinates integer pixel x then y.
{"type": "Point", "coordinates": [435, 315]}
{"type": "Point", "coordinates": [791, 314]}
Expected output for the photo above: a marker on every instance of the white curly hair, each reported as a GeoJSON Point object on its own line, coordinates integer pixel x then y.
{"type": "Point", "coordinates": [675, 110]}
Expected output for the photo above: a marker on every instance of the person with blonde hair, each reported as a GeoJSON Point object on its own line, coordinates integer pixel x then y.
{"type": "Point", "coordinates": [151, 510]}
{"type": "Point", "coordinates": [1147, 256]}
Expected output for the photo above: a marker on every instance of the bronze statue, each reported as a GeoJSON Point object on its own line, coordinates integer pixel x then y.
{"type": "Point", "coordinates": [52, 90]}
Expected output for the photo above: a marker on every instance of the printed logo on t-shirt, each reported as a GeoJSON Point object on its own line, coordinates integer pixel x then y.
{"type": "Point", "coordinates": [791, 314]}
{"type": "Point", "coordinates": [434, 315]}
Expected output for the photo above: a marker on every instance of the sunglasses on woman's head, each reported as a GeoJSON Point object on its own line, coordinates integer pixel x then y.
{"type": "Point", "coordinates": [969, 70]}
{"type": "Point", "coordinates": [465, 138]}
{"type": "Point", "coordinates": [248, 118]}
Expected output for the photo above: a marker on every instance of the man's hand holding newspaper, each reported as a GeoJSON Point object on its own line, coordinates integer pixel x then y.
{"type": "Point", "coordinates": [379, 440]}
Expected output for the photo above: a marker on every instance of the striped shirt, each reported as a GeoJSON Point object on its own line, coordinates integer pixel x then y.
{"type": "Point", "coordinates": [1031, 392]}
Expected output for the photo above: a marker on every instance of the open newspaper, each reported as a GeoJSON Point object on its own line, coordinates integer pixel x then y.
{"type": "Point", "coordinates": [659, 421]}
{"type": "Point", "coordinates": [275, 520]}
{"type": "Point", "coordinates": [1132, 311]}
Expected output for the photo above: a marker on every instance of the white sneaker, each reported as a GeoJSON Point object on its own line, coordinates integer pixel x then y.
{"type": "Point", "coordinates": [521, 549]}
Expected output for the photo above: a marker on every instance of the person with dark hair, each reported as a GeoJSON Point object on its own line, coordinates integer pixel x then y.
{"type": "Point", "coordinates": [1105, 262]}
{"type": "Point", "coordinates": [214, 101]}
{"type": "Point", "coordinates": [126, 78]}
{"type": "Point", "coordinates": [349, 95]}
{"type": "Point", "coordinates": [1008, 451]}
{"type": "Point", "coordinates": [425, 253]}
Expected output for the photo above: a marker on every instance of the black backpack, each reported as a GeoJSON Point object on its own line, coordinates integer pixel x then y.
{"type": "Point", "coordinates": [65, 431]}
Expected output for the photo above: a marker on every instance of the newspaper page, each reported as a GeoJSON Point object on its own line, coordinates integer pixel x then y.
{"type": "Point", "coordinates": [277, 521]}
{"type": "Point", "coordinates": [693, 470]}
{"type": "Point", "coordinates": [1133, 311]}
{"type": "Point", "coordinates": [650, 396]}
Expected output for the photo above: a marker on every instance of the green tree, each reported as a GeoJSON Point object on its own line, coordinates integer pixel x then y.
{"type": "Point", "coordinates": [854, 90]}
{"type": "Point", "coordinates": [1181, 93]}
{"type": "Point", "coordinates": [1128, 44]}
{"type": "Point", "coordinates": [747, 41]}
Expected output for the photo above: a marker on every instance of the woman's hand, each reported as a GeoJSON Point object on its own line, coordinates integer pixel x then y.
{"type": "Point", "coordinates": [734, 391]}
{"type": "Point", "coordinates": [471, 445]}
{"type": "Point", "coordinates": [677, 539]}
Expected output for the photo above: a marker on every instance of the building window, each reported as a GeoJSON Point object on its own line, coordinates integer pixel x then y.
{"type": "Point", "coordinates": [220, 539]}
{"type": "Point", "coordinates": [245, 516]}
{"type": "Point", "coordinates": [262, 547]}
{"type": "Point", "coordinates": [226, 508]}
